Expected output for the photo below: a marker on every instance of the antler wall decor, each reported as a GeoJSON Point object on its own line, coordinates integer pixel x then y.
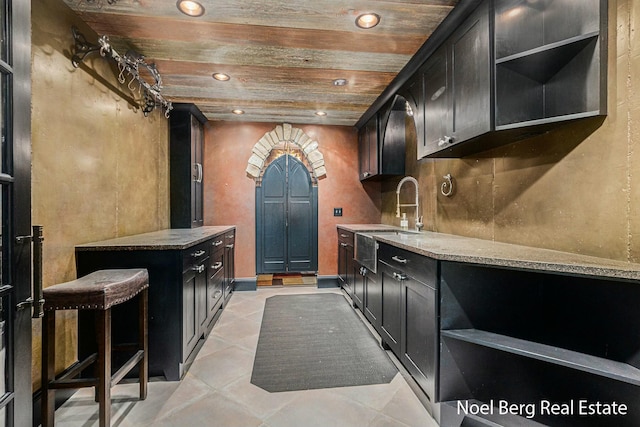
{"type": "Point", "coordinates": [129, 65]}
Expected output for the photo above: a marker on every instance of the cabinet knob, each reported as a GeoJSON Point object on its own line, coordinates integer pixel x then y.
{"type": "Point", "coordinates": [444, 141]}
{"type": "Point", "coordinates": [399, 276]}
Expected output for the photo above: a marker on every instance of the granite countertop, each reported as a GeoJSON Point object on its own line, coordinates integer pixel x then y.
{"type": "Point", "coordinates": [173, 238]}
{"type": "Point", "coordinates": [448, 247]}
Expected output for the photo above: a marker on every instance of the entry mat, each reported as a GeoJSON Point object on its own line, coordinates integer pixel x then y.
{"type": "Point", "coordinates": [316, 341]}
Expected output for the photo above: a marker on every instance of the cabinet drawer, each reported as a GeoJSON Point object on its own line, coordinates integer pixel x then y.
{"type": "Point", "coordinates": [418, 266]}
{"type": "Point", "coordinates": [345, 236]}
{"type": "Point", "coordinates": [216, 244]}
{"type": "Point", "coordinates": [194, 256]}
{"type": "Point", "coordinates": [230, 239]}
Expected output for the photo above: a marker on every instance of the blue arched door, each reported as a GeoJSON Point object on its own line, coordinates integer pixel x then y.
{"type": "Point", "coordinates": [286, 219]}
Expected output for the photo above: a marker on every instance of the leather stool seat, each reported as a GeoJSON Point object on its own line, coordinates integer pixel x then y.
{"type": "Point", "coordinates": [98, 291]}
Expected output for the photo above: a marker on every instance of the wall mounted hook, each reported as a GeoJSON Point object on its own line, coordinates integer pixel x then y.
{"type": "Point", "coordinates": [447, 186]}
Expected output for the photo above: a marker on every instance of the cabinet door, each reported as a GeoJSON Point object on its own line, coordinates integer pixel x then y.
{"type": "Point", "coordinates": [215, 283]}
{"type": "Point", "coordinates": [437, 110]}
{"type": "Point", "coordinates": [348, 254]}
{"type": "Point", "coordinates": [229, 265]}
{"type": "Point", "coordinates": [391, 322]}
{"type": "Point", "coordinates": [373, 300]}
{"type": "Point", "coordinates": [368, 149]}
{"type": "Point", "coordinates": [358, 285]}
{"type": "Point", "coordinates": [471, 77]}
{"type": "Point", "coordinates": [201, 295]}
{"type": "Point", "coordinates": [419, 334]}
{"type": "Point", "coordinates": [342, 263]}
{"type": "Point", "coordinates": [190, 324]}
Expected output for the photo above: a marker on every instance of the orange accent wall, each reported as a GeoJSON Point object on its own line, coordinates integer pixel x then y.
{"type": "Point", "coordinates": [230, 193]}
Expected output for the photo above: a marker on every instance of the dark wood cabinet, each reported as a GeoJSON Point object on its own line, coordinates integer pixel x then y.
{"type": "Point", "coordinates": [229, 264]}
{"type": "Point", "coordinates": [381, 142]}
{"type": "Point", "coordinates": [550, 61]}
{"type": "Point", "coordinates": [502, 71]}
{"type": "Point", "coordinates": [345, 260]}
{"type": "Point", "coordinates": [186, 279]}
{"type": "Point", "coordinates": [185, 163]}
{"type": "Point", "coordinates": [368, 149]}
{"type": "Point", "coordinates": [457, 82]}
{"type": "Point", "coordinates": [391, 321]}
{"type": "Point", "coordinates": [409, 324]}
{"type": "Point", "coordinates": [194, 285]}
{"type": "Point", "coordinates": [359, 277]}
{"type": "Point", "coordinates": [528, 335]}
{"type": "Point", "coordinates": [372, 298]}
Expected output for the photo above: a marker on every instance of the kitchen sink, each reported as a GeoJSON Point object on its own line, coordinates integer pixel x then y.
{"type": "Point", "coordinates": [366, 247]}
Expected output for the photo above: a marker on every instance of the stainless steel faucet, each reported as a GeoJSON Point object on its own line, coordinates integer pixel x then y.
{"type": "Point", "coordinates": [416, 205]}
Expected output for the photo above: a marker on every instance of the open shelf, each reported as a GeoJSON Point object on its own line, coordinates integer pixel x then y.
{"type": "Point", "coordinates": [559, 356]}
{"type": "Point", "coordinates": [542, 63]}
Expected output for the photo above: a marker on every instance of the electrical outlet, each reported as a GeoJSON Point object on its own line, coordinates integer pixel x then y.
{"type": "Point", "coordinates": [337, 211]}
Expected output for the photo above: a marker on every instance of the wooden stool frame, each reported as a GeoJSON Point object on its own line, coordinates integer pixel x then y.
{"type": "Point", "coordinates": [103, 380]}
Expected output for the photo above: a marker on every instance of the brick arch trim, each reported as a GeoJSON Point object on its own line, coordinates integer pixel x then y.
{"type": "Point", "coordinates": [282, 134]}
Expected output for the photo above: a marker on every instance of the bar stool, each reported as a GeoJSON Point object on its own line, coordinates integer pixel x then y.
{"type": "Point", "coordinates": [98, 291]}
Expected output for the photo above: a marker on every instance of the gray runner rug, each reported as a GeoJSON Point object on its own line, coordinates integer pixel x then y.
{"type": "Point", "coordinates": [316, 341]}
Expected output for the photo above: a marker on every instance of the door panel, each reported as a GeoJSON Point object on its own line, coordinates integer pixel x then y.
{"type": "Point", "coordinates": [286, 219]}
{"type": "Point", "coordinates": [15, 181]}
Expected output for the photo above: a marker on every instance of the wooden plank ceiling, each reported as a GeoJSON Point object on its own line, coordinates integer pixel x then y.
{"type": "Point", "coordinates": [282, 55]}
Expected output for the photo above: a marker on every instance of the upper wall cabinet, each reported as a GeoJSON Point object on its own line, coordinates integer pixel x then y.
{"type": "Point", "coordinates": [550, 61]}
{"type": "Point", "coordinates": [381, 141]}
{"type": "Point", "coordinates": [518, 67]}
{"type": "Point", "coordinates": [456, 81]}
{"type": "Point", "coordinates": [185, 163]}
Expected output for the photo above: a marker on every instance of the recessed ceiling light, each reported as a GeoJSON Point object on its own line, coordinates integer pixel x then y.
{"type": "Point", "coordinates": [340, 82]}
{"type": "Point", "coordinates": [190, 7]}
{"type": "Point", "coordinates": [237, 111]}
{"type": "Point", "coordinates": [221, 76]}
{"type": "Point", "coordinates": [321, 113]}
{"type": "Point", "coordinates": [368, 20]}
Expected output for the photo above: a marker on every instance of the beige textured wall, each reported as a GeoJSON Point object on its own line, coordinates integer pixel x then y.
{"type": "Point", "coordinates": [575, 189]}
{"type": "Point", "coordinates": [100, 168]}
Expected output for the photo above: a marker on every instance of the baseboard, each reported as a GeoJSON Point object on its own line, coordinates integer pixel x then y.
{"type": "Point", "coordinates": [246, 284]}
{"type": "Point", "coordinates": [328, 282]}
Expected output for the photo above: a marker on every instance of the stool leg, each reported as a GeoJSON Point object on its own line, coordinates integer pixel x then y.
{"type": "Point", "coordinates": [104, 364]}
{"type": "Point", "coordinates": [143, 342]}
{"type": "Point", "coordinates": [48, 368]}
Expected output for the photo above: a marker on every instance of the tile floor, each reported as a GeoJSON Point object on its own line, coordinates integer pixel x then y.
{"type": "Point", "coordinates": [216, 391]}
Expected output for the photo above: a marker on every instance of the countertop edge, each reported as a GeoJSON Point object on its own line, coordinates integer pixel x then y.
{"type": "Point", "coordinates": [158, 240]}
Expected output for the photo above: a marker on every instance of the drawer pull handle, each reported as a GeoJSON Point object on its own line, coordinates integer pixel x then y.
{"type": "Point", "coordinates": [199, 268]}
{"type": "Point", "coordinates": [399, 276]}
{"type": "Point", "coordinates": [230, 246]}
{"type": "Point", "coordinates": [229, 236]}
{"type": "Point", "coordinates": [343, 244]}
{"type": "Point", "coordinates": [217, 243]}
{"type": "Point", "coordinates": [399, 259]}
{"type": "Point", "coordinates": [217, 295]}
{"type": "Point", "coordinates": [217, 265]}
{"type": "Point", "coordinates": [197, 254]}
{"type": "Point", "coordinates": [344, 235]}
